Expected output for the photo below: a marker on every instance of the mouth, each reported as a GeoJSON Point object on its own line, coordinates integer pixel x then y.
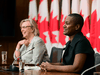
{"type": "Point", "coordinates": [64, 30]}
{"type": "Point", "coordinates": [23, 33]}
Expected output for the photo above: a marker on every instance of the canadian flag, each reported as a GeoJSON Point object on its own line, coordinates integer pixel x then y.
{"type": "Point", "coordinates": [85, 13]}
{"type": "Point", "coordinates": [43, 18]}
{"type": "Point", "coordinates": [98, 26]}
{"type": "Point", "coordinates": [33, 10]}
{"type": "Point", "coordinates": [54, 23]}
{"type": "Point", "coordinates": [64, 13]}
{"type": "Point", "coordinates": [76, 6]}
{"type": "Point", "coordinates": [93, 27]}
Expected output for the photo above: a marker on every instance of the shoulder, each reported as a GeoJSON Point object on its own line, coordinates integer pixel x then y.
{"type": "Point", "coordinates": [79, 38]}
{"type": "Point", "coordinates": [82, 44]}
{"type": "Point", "coordinates": [37, 39]}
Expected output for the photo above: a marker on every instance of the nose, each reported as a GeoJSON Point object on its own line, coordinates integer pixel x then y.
{"type": "Point", "coordinates": [21, 29]}
{"type": "Point", "coordinates": [64, 26]}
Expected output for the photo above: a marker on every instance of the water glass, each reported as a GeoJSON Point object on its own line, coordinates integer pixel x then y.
{"type": "Point", "coordinates": [21, 65]}
{"type": "Point", "coordinates": [4, 56]}
{"type": "Point", "coordinates": [4, 67]}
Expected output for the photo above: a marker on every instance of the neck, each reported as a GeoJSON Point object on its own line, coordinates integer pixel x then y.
{"type": "Point", "coordinates": [71, 37]}
{"type": "Point", "coordinates": [30, 38]}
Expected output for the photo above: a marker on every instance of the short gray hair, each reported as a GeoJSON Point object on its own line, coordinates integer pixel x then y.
{"type": "Point", "coordinates": [33, 24]}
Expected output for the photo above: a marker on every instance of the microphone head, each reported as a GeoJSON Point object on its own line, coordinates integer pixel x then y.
{"type": "Point", "coordinates": [13, 68]}
{"type": "Point", "coordinates": [32, 48]}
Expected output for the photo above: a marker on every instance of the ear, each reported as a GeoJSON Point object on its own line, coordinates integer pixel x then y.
{"type": "Point", "coordinates": [33, 29]}
{"type": "Point", "coordinates": [77, 27]}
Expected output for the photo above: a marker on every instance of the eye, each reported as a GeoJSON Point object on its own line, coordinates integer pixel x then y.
{"type": "Point", "coordinates": [67, 23]}
{"type": "Point", "coordinates": [25, 26]}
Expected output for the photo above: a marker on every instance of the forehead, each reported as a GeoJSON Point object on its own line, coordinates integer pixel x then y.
{"type": "Point", "coordinates": [27, 23]}
{"type": "Point", "coordinates": [69, 19]}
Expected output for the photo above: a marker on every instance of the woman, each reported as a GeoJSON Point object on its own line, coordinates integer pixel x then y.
{"type": "Point", "coordinates": [24, 49]}
{"type": "Point", "coordinates": [78, 55]}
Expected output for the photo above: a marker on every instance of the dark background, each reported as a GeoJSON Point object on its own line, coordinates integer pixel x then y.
{"type": "Point", "coordinates": [7, 16]}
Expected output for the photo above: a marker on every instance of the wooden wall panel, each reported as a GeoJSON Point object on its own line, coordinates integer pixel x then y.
{"type": "Point", "coordinates": [9, 43]}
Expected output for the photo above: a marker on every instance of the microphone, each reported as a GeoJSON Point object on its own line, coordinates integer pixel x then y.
{"type": "Point", "coordinates": [14, 68]}
{"type": "Point", "coordinates": [89, 68]}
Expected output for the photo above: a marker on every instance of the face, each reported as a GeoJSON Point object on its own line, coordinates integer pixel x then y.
{"type": "Point", "coordinates": [26, 29]}
{"type": "Point", "coordinates": [69, 27]}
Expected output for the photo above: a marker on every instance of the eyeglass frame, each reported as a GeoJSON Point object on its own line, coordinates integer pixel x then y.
{"type": "Point", "coordinates": [25, 27]}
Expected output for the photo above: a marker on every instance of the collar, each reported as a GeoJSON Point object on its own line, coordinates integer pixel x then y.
{"type": "Point", "coordinates": [79, 36]}
{"type": "Point", "coordinates": [67, 44]}
{"type": "Point", "coordinates": [34, 38]}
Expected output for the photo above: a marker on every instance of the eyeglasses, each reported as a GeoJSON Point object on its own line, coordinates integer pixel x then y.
{"type": "Point", "coordinates": [25, 26]}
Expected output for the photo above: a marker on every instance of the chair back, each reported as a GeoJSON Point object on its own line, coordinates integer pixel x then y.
{"type": "Point", "coordinates": [56, 55]}
{"type": "Point", "coordinates": [97, 61]}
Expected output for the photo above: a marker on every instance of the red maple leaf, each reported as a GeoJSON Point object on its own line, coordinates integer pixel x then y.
{"type": "Point", "coordinates": [34, 18]}
{"type": "Point", "coordinates": [31, 0]}
{"type": "Point", "coordinates": [39, 19]}
{"type": "Point", "coordinates": [61, 35]}
{"type": "Point", "coordinates": [43, 27]}
{"type": "Point", "coordinates": [53, 27]}
{"type": "Point", "coordinates": [41, 1]}
{"type": "Point", "coordinates": [81, 13]}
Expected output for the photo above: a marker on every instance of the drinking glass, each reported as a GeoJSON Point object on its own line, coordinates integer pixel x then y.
{"type": "Point", "coordinates": [21, 65]}
{"type": "Point", "coordinates": [4, 56]}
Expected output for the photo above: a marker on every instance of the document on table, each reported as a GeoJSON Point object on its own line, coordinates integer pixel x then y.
{"type": "Point", "coordinates": [32, 68]}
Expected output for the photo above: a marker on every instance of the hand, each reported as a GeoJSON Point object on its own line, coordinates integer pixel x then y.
{"type": "Point", "coordinates": [46, 66]}
{"type": "Point", "coordinates": [26, 42]}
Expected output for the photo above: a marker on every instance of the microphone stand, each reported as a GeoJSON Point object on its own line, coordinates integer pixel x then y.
{"type": "Point", "coordinates": [14, 68]}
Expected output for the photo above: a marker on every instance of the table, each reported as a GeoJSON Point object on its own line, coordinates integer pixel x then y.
{"type": "Point", "coordinates": [28, 72]}
{"type": "Point", "coordinates": [96, 73]}
{"type": "Point", "coordinates": [34, 72]}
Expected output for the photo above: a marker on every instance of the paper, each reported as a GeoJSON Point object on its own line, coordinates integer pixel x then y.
{"type": "Point", "coordinates": [32, 68]}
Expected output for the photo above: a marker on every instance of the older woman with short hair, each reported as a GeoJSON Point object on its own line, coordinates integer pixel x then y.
{"type": "Point", "coordinates": [31, 39]}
